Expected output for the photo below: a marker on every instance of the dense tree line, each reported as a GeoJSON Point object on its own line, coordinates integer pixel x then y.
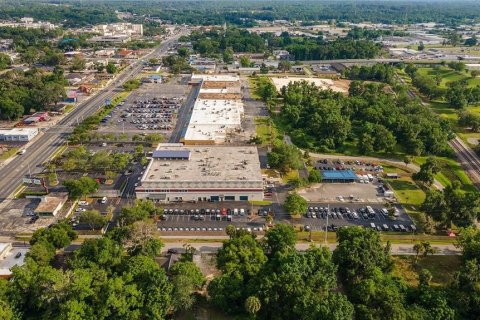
{"type": "Point", "coordinates": [306, 48]}
{"type": "Point", "coordinates": [243, 13]}
{"type": "Point", "coordinates": [114, 277]}
{"type": "Point", "coordinates": [458, 93]}
{"type": "Point", "coordinates": [452, 205]}
{"type": "Point", "coordinates": [72, 14]}
{"type": "Point", "coordinates": [377, 72]}
{"type": "Point", "coordinates": [269, 279]}
{"type": "Point", "coordinates": [216, 41]}
{"type": "Point", "coordinates": [370, 117]}
{"type": "Point", "coordinates": [357, 33]}
{"type": "Point", "coordinates": [23, 92]}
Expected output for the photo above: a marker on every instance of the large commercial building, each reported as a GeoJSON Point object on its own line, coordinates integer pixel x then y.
{"type": "Point", "coordinates": [202, 173]}
{"type": "Point", "coordinates": [115, 29]}
{"type": "Point", "coordinates": [18, 134]}
{"type": "Point", "coordinates": [217, 112]}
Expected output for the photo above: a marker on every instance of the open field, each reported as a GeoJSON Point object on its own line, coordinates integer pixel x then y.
{"type": "Point", "coordinates": [450, 170]}
{"type": "Point", "coordinates": [441, 267]}
{"type": "Point", "coordinates": [448, 75]}
{"type": "Point", "coordinates": [336, 85]}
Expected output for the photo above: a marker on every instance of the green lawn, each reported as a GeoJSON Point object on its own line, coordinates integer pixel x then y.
{"type": "Point", "coordinates": [267, 130]}
{"type": "Point", "coordinates": [406, 191]}
{"type": "Point", "coordinates": [7, 154]}
{"type": "Point", "coordinates": [441, 267]}
{"type": "Point", "coordinates": [448, 75]}
{"type": "Point", "coordinates": [290, 175]}
{"type": "Point", "coordinates": [450, 170]}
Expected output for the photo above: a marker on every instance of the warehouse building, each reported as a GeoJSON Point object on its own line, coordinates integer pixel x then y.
{"type": "Point", "coordinates": [202, 173]}
{"type": "Point", "coordinates": [338, 176]}
{"type": "Point", "coordinates": [18, 134]}
{"type": "Point", "coordinates": [217, 112]}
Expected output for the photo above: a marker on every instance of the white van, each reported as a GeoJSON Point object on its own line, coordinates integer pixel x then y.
{"type": "Point", "coordinates": [104, 200]}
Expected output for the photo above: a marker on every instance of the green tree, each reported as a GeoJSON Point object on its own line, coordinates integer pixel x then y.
{"type": "Point", "coordinates": [93, 219]}
{"type": "Point", "coordinates": [131, 85]}
{"type": "Point", "coordinates": [241, 256]}
{"type": "Point", "coordinates": [359, 253]}
{"type": "Point", "coordinates": [186, 279]}
{"type": "Point", "coordinates": [252, 305]}
{"type": "Point", "coordinates": [285, 157]}
{"type": "Point", "coordinates": [295, 204]}
{"type": "Point", "coordinates": [284, 65]}
{"type": "Point", "coordinates": [81, 187]}
{"type": "Point", "coordinates": [427, 172]}
{"type": "Point", "coordinates": [5, 61]}
{"type": "Point", "coordinates": [245, 62]}
{"type": "Point", "coordinates": [280, 238]}
{"type": "Point", "coordinates": [111, 68]}
{"type": "Point", "coordinates": [228, 55]}
{"type": "Point", "coordinates": [77, 64]}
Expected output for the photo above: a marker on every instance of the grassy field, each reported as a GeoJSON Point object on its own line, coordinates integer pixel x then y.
{"type": "Point", "coordinates": [293, 174]}
{"type": "Point", "coordinates": [253, 88]}
{"type": "Point", "coordinates": [406, 190]}
{"type": "Point", "coordinates": [267, 130]}
{"type": "Point", "coordinates": [441, 267]}
{"type": "Point", "coordinates": [450, 171]}
{"type": "Point", "coordinates": [7, 154]}
{"type": "Point", "coordinates": [448, 75]}
{"type": "Point", "coordinates": [393, 237]}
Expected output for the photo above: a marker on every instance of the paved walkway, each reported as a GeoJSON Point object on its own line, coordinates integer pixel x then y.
{"type": "Point", "coordinates": [397, 249]}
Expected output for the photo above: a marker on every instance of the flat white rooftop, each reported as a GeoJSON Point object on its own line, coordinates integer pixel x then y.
{"type": "Point", "coordinates": [217, 77]}
{"type": "Point", "coordinates": [224, 165]}
{"type": "Point", "coordinates": [18, 131]}
{"type": "Point", "coordinates": [211, 119]}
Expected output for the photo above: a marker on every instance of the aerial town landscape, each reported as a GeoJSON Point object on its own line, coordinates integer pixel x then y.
{"type": "Point", "coordinates": [189, 159]}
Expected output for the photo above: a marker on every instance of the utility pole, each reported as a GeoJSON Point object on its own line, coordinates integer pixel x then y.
{"type": "Point", "coordinates": [326, 225]}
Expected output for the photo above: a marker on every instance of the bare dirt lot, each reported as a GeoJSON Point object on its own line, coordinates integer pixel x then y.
{"type": "Point", "coordinates": [335, 85]}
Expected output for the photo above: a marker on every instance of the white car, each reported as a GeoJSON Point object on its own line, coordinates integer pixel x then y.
{"type": "Point", "coordinates": [81, 210]}
{"type": "Point", "coordinates": [82, 203]}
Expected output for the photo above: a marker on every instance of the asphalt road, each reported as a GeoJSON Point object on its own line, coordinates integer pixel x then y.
{"type": "Point", "coordinates": [184, 114]}
{"type": "Point", "coordinates": [397, 249]}
{"type": "Point", "coordinates": [40, 150]}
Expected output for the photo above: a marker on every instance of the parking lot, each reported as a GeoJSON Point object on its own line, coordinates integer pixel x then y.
{"type": "Point", "coordinates": [358, 192]}
{"type": "Point", "coordinates": [355, 214]}
{"type": "Point", "coordinates": [152, 108]}
{"type": "Point", "coordinates": [211, 218]}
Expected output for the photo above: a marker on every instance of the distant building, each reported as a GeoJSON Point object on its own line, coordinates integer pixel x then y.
{"type": "Point", "coordinates": [28, 23]}
{"type": "Point", "coordinates": [18, 134]}
{"type": "Point", "coordinates": [37, 117]}
{"type": "Point", "coordinates": [116, 29]}
{"type": "Point", "coordinates": [110, 39]}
